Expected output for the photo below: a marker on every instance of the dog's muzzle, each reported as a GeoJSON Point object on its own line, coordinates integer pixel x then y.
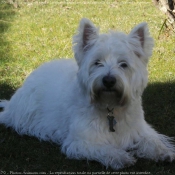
{"type": "Point", "coordinates": [110, 92]}
{"type": "Point", "coordinates": [110, 87]}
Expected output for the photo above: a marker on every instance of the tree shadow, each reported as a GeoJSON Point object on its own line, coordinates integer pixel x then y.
{"type": "Point", "coordinates": [6, 91]}
{"type": "Point", "coordinates": [159, 106]}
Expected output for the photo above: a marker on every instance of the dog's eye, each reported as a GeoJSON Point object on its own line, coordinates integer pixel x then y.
{"type": "Point", "coordinates": [123, 65]}
{"type": "Point", "coordinates": [98, 63]}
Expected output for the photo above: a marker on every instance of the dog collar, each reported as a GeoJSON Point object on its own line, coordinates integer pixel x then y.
{"type": "Point", "coordinates": [111, 120]}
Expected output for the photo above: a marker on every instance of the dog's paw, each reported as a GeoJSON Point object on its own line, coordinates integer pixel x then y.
{"type": "Point", "coordinates": [122, 162]}
{"type": "Point", "coordinates": [167, 156]}
{"type": "Point", "coordinates": [165, 151]}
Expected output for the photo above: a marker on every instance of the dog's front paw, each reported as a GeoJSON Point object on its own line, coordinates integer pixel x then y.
{"type": "Point", "coordinates": [158, 148]}
{"type": "Point", "coordinates": [122, 162]}
{"type": "Point", "coordinates": [167, 156]}
{"type": "Point", "coordinates": [166, 149]}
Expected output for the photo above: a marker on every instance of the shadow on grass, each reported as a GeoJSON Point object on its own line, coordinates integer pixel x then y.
{"type": "Point", "coordinates": [6, 91]}
{"type": "Point", "coordinates": [27, 153]}
{"type": "Point", "coordinates": [159, 106]}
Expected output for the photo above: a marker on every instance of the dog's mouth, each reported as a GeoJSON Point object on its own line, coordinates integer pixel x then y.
{"type": "Point", "coordinates": [110, 91]}
{"type": "Point", "coordinates": [109, 96]}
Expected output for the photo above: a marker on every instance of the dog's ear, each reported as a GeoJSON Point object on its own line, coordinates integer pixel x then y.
{"type": "Point", "coordinates": [141, 41]}
{"type": "Point", "coordinates": [84, 39]}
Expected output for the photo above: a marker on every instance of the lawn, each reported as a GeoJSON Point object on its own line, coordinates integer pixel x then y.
{"type": "Point", "coordinates": [41, 30]}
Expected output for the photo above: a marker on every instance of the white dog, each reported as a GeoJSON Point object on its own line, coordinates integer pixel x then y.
{"type": "Point", "coordinates": [92, 106]}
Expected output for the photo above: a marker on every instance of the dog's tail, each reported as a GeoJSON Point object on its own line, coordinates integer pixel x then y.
{"type": "Point", "coordinates": [3, 104]}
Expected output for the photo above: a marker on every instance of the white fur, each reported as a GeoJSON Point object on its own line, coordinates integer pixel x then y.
{"type": "Point", "coordinates": [65, 102]}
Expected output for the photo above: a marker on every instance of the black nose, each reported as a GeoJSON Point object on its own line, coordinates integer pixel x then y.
{"type": "Point", "coordinates": [109, 81]}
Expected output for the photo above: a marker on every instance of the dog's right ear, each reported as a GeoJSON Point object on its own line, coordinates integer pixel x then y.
{"type": "Point", "coordinates": [84, 39]}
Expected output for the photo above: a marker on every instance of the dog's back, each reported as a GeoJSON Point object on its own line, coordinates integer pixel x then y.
{"type": "Point", "coordinates": [41, 94]}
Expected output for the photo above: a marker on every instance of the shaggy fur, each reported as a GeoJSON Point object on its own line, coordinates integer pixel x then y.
{"type": "Point", "coordinates": [67, 101]}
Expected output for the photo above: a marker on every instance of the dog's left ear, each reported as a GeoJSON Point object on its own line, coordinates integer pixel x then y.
{"type": "Point", "coordinates": [84, 39]}
{"type": "Point", "coordinates": [141, 41]}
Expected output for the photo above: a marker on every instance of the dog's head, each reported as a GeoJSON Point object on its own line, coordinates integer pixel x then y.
{"type": "Point", "coordinates": [112, 66]}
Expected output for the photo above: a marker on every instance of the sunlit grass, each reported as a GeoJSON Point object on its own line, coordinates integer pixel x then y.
{"type": "Point", "coordinates": [41, 31]}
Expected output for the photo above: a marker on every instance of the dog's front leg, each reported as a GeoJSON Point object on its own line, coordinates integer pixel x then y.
{"type": "Point", "coordinates": [155, 146]}
{"type": "Point", "coordinates": [106, 154]}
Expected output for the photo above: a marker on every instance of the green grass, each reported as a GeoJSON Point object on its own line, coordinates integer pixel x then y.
{"type": "Point", "coordinates": [39, 31]}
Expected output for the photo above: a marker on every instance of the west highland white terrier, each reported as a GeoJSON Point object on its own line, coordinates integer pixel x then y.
{"type": "Point", "coordinates": [92, 107]}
